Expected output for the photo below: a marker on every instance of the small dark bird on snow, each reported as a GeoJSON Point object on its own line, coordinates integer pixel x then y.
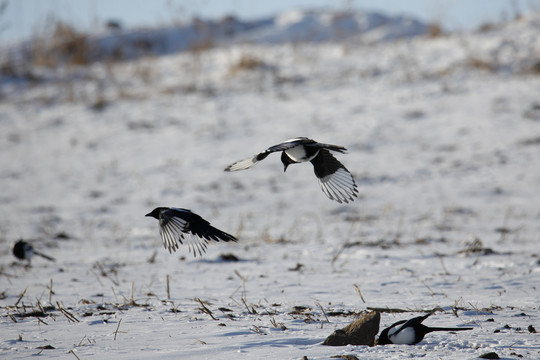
{"type": "Point", "coordinates": [336, 181]}
{"type": "Point", "coordinates": [24, 251]}
{"type": "Point", "coordinates": [411, 332]}
{"type": "Point", "coordinates": [175, 223]}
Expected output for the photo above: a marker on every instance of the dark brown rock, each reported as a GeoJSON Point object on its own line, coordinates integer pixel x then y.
{"type": "Point", "coordinates": [361, 331]}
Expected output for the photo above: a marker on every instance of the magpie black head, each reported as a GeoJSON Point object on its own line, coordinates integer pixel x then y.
{"type": "Point", "coordinates": [286, 161]}
{"type": "Point", "coordinates": [383, 338]}
{"type": "Point", "coordinates": [155, 213]}
{"type": "Point", "coordinates": [20, 249]}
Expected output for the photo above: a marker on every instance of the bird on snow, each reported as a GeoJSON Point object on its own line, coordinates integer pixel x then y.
{"type": "Point", "coordinates": [336, 181]}
{"type": "Point", "coordinates": [24, 251]}
{"type": "Point", "coordinates": [176, 223]}
{"type": "Point", "coordinates": [411, 332]}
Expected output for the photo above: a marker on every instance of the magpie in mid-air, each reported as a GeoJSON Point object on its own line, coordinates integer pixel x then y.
{"type": "Point", "coordinates": [24, 251]}
{"type": "Point", "coordinates": [335, 180]}
{"type": "Point", "coordinates": [411, 332]}
{"type": "Point", "coordinates": [175, 223]}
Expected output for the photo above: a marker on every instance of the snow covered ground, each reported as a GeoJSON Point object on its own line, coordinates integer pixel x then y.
{"type": "Point", "coordinates": [443, 136]}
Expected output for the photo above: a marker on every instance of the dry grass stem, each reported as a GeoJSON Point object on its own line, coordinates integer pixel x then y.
{"type": "Point", "coordinates": [324, 313]}
{"type": "Point", "coordinates": [443, 266]}
{"type": "Point", "coordinates": [118, 327]}
{"type": "Point", "coordinates": [66, 313]}
{"type": "Point", "coordinates": [73, 352]}
{"type": "Point", "coordinates": [257, 330]}
{"type": "Point", "coordinates": [168, 288]}
{"type": "Point", "coordinates": [205, 309]}
{"type": "Point", "coordinates": [50, 292]}
{"type": "Point", "coordinates": [357, 288]}
{"type": "Point", "coordinates": [20, 297]}
{"type": "Point", "coordinates": [250, 311]}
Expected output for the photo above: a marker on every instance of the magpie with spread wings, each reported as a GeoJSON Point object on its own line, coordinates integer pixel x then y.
{"type": "Point", "coordinates": [177, 224]}
{"type": "Point", "coordinates": [336, 181]}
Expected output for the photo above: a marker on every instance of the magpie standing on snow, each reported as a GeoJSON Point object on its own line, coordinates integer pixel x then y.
{"type": "Point", "coordinates": [24, 251]}
{"type": "Point", "coordinates": [335, 180]}
{"type": "Point", "coordinates": [175, 223]}
{"type": "Point", "coordinates": [411, 332]}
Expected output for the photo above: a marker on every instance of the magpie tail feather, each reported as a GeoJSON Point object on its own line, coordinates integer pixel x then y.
{"type": "Point", "coordinates": [44, 256]}
{"type": "Point", "coordinates": [447, 329]}
{"type": "Point", "coordinates": [218, 235]}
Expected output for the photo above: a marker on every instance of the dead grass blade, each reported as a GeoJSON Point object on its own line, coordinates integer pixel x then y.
{"type": "Point", "coordinates": [168, 288]}
{"type": "Point", "coordinates": [20, 297]}
{"type": "Point", "coordinates": [324, 313]}
{"type": "Point", "coordinates": [250, 311]}
{"type": "Point", "coordinates": [204, 309]}
{"type": "Point", "coordinates": [73, 352]}
{"type": "Point", "coordinates": [256, 329]}
{"type": "Point", "coordinates": [116, 331]}
{"type": "Point", "coordinates": [357, 288]}
{"type": "Point", "coordinates": [50, 292]}
{"type": "Point", "coordinates": [66, 313]}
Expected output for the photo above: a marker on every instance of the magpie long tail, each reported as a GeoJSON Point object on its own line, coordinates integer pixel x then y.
{"type": "Point", "coordinates": [219, 235]}
{"type": "Point", "coordinates": [44, 256]}
{"type": "Point", "coordinates": [447, 329]}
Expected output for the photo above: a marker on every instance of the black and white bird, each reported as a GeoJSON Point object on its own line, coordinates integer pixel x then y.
{"type": "Point", "coordinates": [411, 332]}
{"type": "Point", "coordinates": [176, 223]}
{"type": "Point", "coordinates": [335, 180]}
{"type": "Point", "coordinates": [24, 251]}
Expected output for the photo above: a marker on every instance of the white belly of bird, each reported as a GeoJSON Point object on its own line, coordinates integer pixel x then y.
{"type": "Point", "coordinates": [405, 336]}
{"type": "Point", "coordinates": [298, 154]}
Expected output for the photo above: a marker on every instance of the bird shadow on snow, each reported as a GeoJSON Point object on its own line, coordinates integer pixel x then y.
{"type": "Point", "coordinates": [221, 260]}
{"type": "Point", "coordinates": [276, 342]}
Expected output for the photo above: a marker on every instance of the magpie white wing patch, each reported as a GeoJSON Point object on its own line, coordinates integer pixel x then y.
{"type": "Point", "coordinates": [243, 164]}
{"type": "Point", "coordinates": [336, 181]}
{"type": "Point", "coordinates": [339, 186]}
{"type": "Point", "coordinates": [406, 336]}
{"type": "Point", "coordinates": [298, 139]}
{"type": "Point", "coordinates": [298, 154]}
{"type": "Point", "coordinates": [197, 245]}
{"type": "Point", "coordinates": [174, 231]}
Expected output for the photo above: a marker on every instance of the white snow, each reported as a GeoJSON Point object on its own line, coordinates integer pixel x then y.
{"type": "Point", "coordinates": [443, 139]}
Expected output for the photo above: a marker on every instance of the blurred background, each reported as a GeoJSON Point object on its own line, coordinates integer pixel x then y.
{"type": "Point", "coordinates": [24, 18]}
{"type": "Point", "coordinates": [231, 72]}
{"type": "Point", "coordinates": [109, 109]}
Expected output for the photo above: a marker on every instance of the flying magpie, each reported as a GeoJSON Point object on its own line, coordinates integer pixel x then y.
{"type": "Point", "coordinates": [24, 251]}
{"type": "Point", "coordinates": [336, 181]}
{"type": "Point", "coordinates": [175, 223]}
{"type": "Point", "coordinates": [411, 332]}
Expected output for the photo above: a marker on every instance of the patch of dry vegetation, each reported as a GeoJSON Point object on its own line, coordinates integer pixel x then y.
{"type": "Point", "coordinates": [435, 30]}
{"type": "Point", "coordinates": [246, 62]}
{"type": "Point", "coordinates": [64, 45]}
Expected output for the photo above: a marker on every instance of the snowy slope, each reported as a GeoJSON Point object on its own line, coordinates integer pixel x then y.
{"type": "Point", "coordinates": [443, 138]}
{"type": "Point", "coordinates": [287, 27]}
